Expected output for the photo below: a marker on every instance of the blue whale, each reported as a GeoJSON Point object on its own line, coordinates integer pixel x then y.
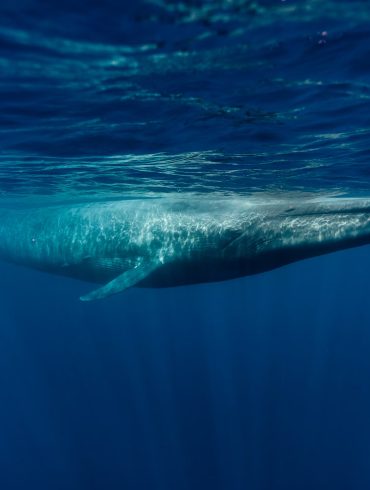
{"type": "Point", "coordinates": [166, 242]}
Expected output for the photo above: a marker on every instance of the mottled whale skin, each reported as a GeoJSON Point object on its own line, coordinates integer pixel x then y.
{"type": "Point", "coordinates": [176, 241]}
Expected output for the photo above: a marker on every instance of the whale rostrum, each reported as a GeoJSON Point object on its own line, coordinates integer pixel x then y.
{"type": "Point", "coordinates": [170, 241]}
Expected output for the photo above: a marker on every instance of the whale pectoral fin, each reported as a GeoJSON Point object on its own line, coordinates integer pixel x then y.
{"type": "Point", "coordinates": [121, 282]}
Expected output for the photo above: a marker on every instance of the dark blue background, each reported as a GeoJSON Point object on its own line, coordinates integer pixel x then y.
{"type": "Point", "coordinates": [256, 383]}
{"type": "Point", "coordinates": [261, 383]}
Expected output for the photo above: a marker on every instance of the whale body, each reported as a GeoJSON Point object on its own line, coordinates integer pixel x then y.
{"type": "Point", "coordinates": [170, 241]}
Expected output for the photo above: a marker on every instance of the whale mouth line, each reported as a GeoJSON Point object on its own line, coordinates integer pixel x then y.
{"type": "Point", "coordinates": [328, 212]}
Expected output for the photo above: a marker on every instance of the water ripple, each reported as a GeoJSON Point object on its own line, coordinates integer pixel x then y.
{"type": "Point", "coordinates": [215, 96]}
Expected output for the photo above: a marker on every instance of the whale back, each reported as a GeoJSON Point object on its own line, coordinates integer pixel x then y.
{"type": "Point", "coordinates": [168, 242]}
{"type": "Point", "coordinates": [99, 241]}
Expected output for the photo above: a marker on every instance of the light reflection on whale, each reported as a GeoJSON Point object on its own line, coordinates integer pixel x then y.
{"type": "Point", "coordinates": [177, 241]}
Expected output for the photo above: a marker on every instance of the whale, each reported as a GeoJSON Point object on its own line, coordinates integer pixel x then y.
{"type": "Point", "coordinates": [174, 241]}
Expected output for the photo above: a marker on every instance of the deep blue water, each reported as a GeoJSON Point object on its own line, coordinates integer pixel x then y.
{"type": "Point", "coordinates": [261, 383]}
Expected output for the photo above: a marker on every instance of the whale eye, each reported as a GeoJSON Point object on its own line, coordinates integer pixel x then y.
{"type": "Point", "coordinates": [289, 210]}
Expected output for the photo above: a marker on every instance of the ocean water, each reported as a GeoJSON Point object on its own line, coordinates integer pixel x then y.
{"type": "Point", "coordinates": [261, 382]}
